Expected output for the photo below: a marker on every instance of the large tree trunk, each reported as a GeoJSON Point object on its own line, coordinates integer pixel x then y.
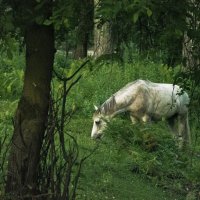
{"type": "Point", "coordinates": [31, 114]}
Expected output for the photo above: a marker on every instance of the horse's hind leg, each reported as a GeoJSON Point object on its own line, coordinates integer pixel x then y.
{"type": "Point", "coordinates": [173, 125]}
{"type": "Point", "coordinates": [183, 129]}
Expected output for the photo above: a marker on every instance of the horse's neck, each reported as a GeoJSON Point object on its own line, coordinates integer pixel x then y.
{"type": "Point", "coordinates": [119, 111]}
{"type": "Point", "coordinates": [109, 107]}
{"type": "Point", "coordinates": [123, 100]}
{"type": "Point", "coordinates": [120, 101]}
{"type": "Point", "coordinates": [112, 109]}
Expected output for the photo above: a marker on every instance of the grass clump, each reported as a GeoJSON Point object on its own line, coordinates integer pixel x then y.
{"type": "Point", "coordinates": [132, 162]}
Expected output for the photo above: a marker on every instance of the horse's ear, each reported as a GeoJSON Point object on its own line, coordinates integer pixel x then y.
{"type": "Point", "coordinates": [96, 108]}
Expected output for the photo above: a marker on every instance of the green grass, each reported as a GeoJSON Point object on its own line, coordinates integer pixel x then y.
{"type": "Point", "coordinates": [108, 174]}
{"type": "Point", "coordinates": [123, 167]}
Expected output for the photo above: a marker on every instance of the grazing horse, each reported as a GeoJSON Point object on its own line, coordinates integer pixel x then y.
{"type": "Point", "coordinates": [146, 101]}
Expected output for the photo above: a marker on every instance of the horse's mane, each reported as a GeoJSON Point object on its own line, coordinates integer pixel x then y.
{"type": "Point", "coordinates": [108, 107]}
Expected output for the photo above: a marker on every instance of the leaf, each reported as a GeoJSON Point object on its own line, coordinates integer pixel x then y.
{"type": "Point", "coordinates": [7, 113]}
{"type": "Point", "coordinates": [48, 22]}
{"type": "Point", "coordinates": [9, 54]}
{"type": "Point", "coordinates": [20, 74]}
{"type": "Point", "coordinates": [178, 32]}
{"type": "Point", "coordinates": [66, 23]}
{"type": "Point", "coordinates": [9, 88]}
{"type": "Point", "coordinates": [135, 17]}
{"type": "Point", "coordinates": [149, 12]}
{"type": "Point", "coordinates": [39, 20]}
{"type": "Point", "coordinates": [40, 5]}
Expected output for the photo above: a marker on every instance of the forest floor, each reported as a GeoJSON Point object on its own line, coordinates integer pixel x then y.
{"type": "Point", "coordinates": [109, 174]}
{"type": "Point", "coordinates": [122, 167]}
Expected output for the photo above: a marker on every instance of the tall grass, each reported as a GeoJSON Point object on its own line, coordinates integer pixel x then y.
{"type": "Point", "coordinates": [131, 161]}
{"type": "Point", "coordinates": [105, 79]}
{"type": "Point", "coordinates": [148, 150]}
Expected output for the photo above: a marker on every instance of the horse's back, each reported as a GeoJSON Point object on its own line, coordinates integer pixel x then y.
{"type": "Point", "coordinates": [158, 99]}
{"type": "Point", "coordinates": [168, 99]}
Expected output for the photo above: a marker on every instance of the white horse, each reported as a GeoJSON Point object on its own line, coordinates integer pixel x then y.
{"type": "Point", "coordinates": [146, 101]}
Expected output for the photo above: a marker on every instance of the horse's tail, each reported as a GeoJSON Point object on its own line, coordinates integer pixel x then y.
{"type": "Point", "coordinates": [184, 130]}
{"type": "Point", "coordinates": [187, 129]}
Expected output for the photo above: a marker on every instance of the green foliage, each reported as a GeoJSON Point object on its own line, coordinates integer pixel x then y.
{"type": "Point", "coordinates": [134, 158]}
{"type": "Point", "coordinates": [112, 165]}
{"type": "Point", "coordinates": [151, 26]}
{"type": "Point", "coordinates": [12, 72]}
{"type": "Point", "coordinates": [98, 90]}
{"type": "Point", "coordinates": [6, 20]}
{"type": "Point", "coordinates": [153, 151]}
{"type": "Point", "coordinates": [7, 110]}
{"type": "Point", "coordinates": [147, 150]}
{"type": "Point", "coordinates": [153, 30]}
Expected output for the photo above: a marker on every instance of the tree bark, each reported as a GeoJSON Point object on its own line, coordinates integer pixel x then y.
{"type": "Point", "coordinates": [31, 114]}
{"type": "Point", "coordinates": [84, 28]}
{"type": "Point", "coordinates": [102, 35]}
{"type": "Point", "coordinates": [102, 40]}
{"type": "Point", "coordinates": [191, 43]}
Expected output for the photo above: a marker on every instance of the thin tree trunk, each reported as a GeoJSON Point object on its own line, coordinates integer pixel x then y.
{"type": "Point", "coordinates": [85, 28]}
{"type": "Point", "coordinates": [102, 40]}
{"type": "Point", "coordinates": [191, 47]}
{"type": "Point", "coordinates": [102, 34]}
{"type": "Point", "coordinates": [82, 47]}
{"type": "Point", "coordinates": [32, 111]}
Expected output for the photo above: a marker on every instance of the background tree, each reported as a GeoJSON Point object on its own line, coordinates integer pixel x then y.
{"type": "Point", "coordinates": [84, 28]}
{"type": "Point", "coordinates": [8, 31]}
{"type": "Point", "coordinates": [102, 32]}
{"type": "Point", "coordinates": [153, 27]}
{"type": "Point", "coordinates": [191, 43]}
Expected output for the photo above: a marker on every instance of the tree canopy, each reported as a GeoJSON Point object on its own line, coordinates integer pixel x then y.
{"type": "Point", "coordinates": [117, 34]}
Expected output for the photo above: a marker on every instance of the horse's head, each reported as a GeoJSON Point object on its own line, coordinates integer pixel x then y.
{"type": "Point", "coordinates": [99, 124]}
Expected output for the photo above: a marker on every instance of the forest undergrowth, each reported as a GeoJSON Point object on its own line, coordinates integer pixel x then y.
{"type": "Point", "coordinates": [131, 162]}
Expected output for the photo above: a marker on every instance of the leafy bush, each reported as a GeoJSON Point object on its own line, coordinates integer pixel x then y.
{"type": "Point", "coordinates": [12, 73]}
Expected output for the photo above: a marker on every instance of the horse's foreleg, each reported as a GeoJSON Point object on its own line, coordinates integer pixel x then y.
{"type": "Point", "coordinates": [134, 120]}
{"type": "Point", "coordinates": [146, 118]}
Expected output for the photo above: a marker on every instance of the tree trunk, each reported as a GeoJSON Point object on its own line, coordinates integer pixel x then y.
{"type": "Point", "coordinates": [191, 43]}
{"type": "Point", "coordinates": [102, 40]}
{"type": "Point", "coordinates": [82, 47]}
{"type": "Point", "coordinates": [31, 114]}
{"type": "Point", "coordinates": [190, 53]}
{"type": "Point", "coordinates": [84, 29]}
{"type": "Point", "coordinates": [102, 35]}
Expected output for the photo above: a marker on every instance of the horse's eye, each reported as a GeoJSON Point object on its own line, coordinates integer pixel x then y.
{"type": "Point", "coordinates": [98, 122]}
